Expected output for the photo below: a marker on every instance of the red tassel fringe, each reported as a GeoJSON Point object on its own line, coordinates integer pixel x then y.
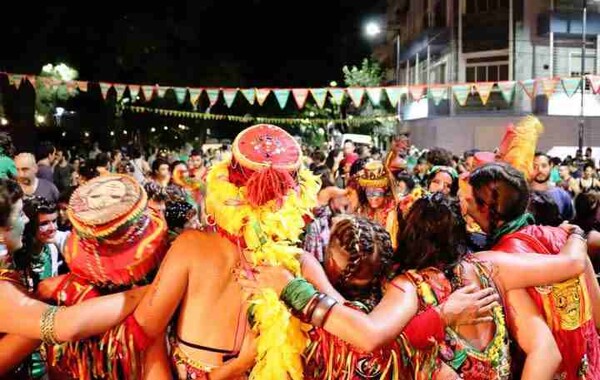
{"type": "Point", "coordinates": [266, 185]}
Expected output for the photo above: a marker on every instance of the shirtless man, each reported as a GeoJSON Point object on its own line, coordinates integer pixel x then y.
{"type": "Point", "coordinates": [257, 200]}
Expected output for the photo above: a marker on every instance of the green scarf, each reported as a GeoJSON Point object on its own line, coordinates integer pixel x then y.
{"type": "Point", "coordinates": [514, 225]}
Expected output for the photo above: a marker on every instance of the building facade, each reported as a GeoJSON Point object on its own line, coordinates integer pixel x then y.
{"type": "Point", "coordinates": [468, 41]}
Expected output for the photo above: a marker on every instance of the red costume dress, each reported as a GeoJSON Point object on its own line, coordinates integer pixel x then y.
{"type": "Point", "coordinates": [565, 306]}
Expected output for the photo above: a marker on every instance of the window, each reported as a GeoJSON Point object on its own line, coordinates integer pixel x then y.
{"type": "Point", "coordinates": [487, 72]}
{"type": "Point", "coordinates": [483, 6]}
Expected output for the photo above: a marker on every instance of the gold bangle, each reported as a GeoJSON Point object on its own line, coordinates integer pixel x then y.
{"type": "Point", "coordinates": [48, 324]}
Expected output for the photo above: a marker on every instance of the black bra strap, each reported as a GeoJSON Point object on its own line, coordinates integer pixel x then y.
{"type": "Point", "coordinates": [204, 348]}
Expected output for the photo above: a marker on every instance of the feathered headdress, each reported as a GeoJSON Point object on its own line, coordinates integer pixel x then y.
{"type": "Point", "coordinates": [519, 143]}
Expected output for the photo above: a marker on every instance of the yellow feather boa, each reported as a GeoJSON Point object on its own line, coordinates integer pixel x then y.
{"type": "Point", "coordinates": [271, 233]}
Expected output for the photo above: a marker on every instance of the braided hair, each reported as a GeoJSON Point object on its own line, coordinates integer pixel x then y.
{"type": "Point", "coordinates": [508, 193]}
{"type": "Point", "coordinates": [370, 253]}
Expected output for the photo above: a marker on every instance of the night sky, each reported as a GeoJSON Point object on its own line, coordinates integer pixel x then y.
{"type": "Point", "coordinates": [274, 43]}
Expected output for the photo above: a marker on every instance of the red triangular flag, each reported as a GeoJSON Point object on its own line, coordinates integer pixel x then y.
{"type": "Point", "coordinates": [417, 92]}
{"type": "Point", "coordinates": [300, 96]}
{"type": "Point", "coordinates": [548, 86]}
{"type": "Point", "coordinates": [594, 82]}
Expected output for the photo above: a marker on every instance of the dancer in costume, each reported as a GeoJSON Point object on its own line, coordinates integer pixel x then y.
{"type": "Point", "coordinates": [118, 241]}
{"type": "Point", "coordinates": [375, 197]}
{"type": "Point", "coordinates": [497, 199]}
{"type": "Point", "coordinates": [357, 262]}
{"type": "Point", "coordinates": [32, 320]}
{"type": "Point", "coordinates": [41, 256]}
{"type": "Point", "coordinates": [257, 201]}
{"type": "Point", "coordinates": [497, 202]}
{"type": "Point", "coordinates": [433, 243]}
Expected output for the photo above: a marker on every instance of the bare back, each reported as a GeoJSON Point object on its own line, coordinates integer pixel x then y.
{"type": "Point", "coordinates": [211, 313]}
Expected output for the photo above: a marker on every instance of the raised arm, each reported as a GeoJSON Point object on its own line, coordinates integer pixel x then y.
{"type": "Point", "coordinates": [523, 270]}
{"type": "Point", "coordinates": [22, 315]}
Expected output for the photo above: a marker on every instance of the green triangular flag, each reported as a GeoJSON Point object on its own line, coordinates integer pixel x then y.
{"type": "Point", "coordinates": [529, 86]}
{"type": "Point", "coordinates": [180, 93]}
{"type": "Point", "coordinates": [195, 95]}
{"type": "Point", "coordinates": [300, 96]}
{"type": "Point", "coordinates": [356, 94]}
{"type": "Point", "coordinates": [213, 95]}
{"type": "Point", "coordinates": [571, 85]}
{"type": "Point", "coordinates": [229, 94]}
{"type": "Point", "coordinates": [15, 79]}
{"type": "Point", "coordinates": [147, 91]}
{"type": "Point", "coordinates": [507, 88]}
{"type": "Point", "coordinates": [438, 93]}
{"type": "Point", "coordinates": [120, 88]}
{"type": "Point", "coordinates": [374, 94]}
{"type": "Point", "coordinates": [160, 90]}
{"type": "Point", "coordinates": [249, 94]}
{"type": "Point", "coordinates": [394, 94]}
{"type": "Point", "coordinates": [282, 97]}
{"type": "Point", "coordinates": [461, 92]}
{"type": "Point", "coordinates": [320, 95]}
{"type": "Point", "coordinates": [337, 95]}
{"type": "Point", "coordinates": [104, 87]}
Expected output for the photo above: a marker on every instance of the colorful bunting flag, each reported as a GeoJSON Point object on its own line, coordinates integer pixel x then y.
{"type": "Point", "coordinates": [161, 91]}
{"type": "Point", "coordinates": [229, 95]}
{"type": "Point", "coordinates": [71, 87]}
{"type": "Point", "coordinates": [507, 88]}
{"type": "Point", "coordinates": [337, 95]}
{"type": "Point", "coordinates": [461, 93]}
{"type": "Point", "coordinates": [530, 87]}
{"type": "Point", "coordinates": [300, 96]}
{"type": "Point", "coordinates": [570, 85]}
{"type": "Point", "coordinates": [180, 94]}
{"type": "Point", "coordinates": [195, 95]}
{"type": "Point", "coordinates": [120, 88]}
{"type": "Point", "coordinates": [356, 94]}
{"type": "Point", "coordinates": [484, 89]}
{"type": "Point", "coordinates": [134, 90]}
{"type": "Point", "coordinates": [104, 87]}
{"type": "Point", "coordinates": [319, 95]}
{"type": "Point", "coordinates": [417, 92]}
{"type": "Point", "coordinates": [548, 86]}
{"type": "Point", "coordinates": [594, 82]}
{"type": "Point", "coordinates": [374, 94]}
{"type": "Point", "coordinates": [438, 93]}
{"type": "Point", "coordinates": [31, 80]}
{"type": "Point", "coordinates": [213, 95]}
{"type": "Point", "coordinates": [249, 94]}
{"type": "Point", "coordinates": [394, 94]}
{"type": "Point", "coordinates": [147, 91]}
{"type": "Point", "coordinates": [262, 94]}
{"type": "Point", "coordinates": [15, 79]}
{"type": "Point", "coordinates": [282, 97]}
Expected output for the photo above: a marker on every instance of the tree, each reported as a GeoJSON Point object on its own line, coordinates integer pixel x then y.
{"type": "Point", "coordinates": [370, 74]}
{"type": "Point", "coordinates": [48, 94]}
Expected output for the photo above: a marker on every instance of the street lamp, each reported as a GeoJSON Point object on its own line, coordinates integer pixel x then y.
{"type": "Point", "coordinates": [372, 30]}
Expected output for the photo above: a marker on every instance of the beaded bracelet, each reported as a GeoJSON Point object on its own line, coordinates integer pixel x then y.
{"type": "Point", "coordinates": [48, 325]}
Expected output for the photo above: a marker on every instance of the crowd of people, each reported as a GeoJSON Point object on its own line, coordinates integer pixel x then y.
{"type": "Point", "coordinates": [270, 259]}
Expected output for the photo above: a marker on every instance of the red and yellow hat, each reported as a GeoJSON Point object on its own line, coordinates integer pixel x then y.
{"type": "Point", "coordinates": [265, 160]}
{"type": "Point", "coordinates": [374, 175]}
{"type": "Point", "coordinates": [117, 239]}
